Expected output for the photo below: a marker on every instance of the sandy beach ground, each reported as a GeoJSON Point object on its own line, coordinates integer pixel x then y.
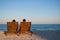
{"type": "Point", "coordinates": [20, 37]}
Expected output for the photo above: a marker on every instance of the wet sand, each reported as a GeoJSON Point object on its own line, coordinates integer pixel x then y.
{"type": "Point", "coordinates": [48, 34]}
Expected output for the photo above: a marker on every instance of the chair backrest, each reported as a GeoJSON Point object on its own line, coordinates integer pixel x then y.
{"type": "Point", "coordinates": [12, 27]}
{"type": "Point", "coordinates": [25, 26]}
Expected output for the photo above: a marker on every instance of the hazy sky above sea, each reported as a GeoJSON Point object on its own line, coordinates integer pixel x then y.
{"type": "Point", "coordinates": [36, 11]}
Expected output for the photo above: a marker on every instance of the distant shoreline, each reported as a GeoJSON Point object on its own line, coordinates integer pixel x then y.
{"type": "Point", "coordinates": [45, 24]}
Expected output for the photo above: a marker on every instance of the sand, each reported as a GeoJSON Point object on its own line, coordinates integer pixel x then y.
{"type": "Point", "coordinates": [20, 37]}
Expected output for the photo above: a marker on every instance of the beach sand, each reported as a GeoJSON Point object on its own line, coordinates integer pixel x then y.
{"type": "Point", "coordinates": [37, 35]}
{"type": "Point", "coordinates": [20, 37]}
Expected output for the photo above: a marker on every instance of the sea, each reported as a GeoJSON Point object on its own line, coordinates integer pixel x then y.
{"type": "Point", "coordinates": [3, 27]}
{"type": "Point", "coordinates": [46, 31]}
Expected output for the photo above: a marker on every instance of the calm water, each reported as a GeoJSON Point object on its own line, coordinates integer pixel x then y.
{"type": "Point", "coordinates": [3, 27]}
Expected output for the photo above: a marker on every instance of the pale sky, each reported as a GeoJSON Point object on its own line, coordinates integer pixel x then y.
{"type": "Point", "coordinates": [36, 11]}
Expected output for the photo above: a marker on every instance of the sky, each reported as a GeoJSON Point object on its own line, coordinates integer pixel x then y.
{"type": "Point", "coordinates": [36, 11]}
